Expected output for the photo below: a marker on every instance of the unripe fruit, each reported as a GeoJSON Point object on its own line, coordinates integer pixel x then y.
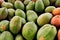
{"type": "Point", "coordinates": [3, 13]}
{"type": "Point", "coordinates": [6, 36]}
{"type": "Point", "coordinates": [4, 25]}
{"type": "Point", "coordinates": [44, 19]}
{"type": "Point", "coordinates": [47, 32]}
{"type": "Point", "coordinates": [15, 24]}
{"type": "Point", "coordinates": [49, 9]}
{"type": "Point", "coordinates": [19, 37]}
{"type": "Point", "coordinates": [7, 5]}
{"type": "Point", "coordinates": [29, 30]}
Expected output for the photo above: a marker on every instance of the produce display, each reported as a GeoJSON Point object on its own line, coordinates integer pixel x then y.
{"type": "Point", "coordinates": [29, 19]}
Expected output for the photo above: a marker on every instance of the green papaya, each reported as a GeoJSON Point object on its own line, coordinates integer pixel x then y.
{"type": "Point", "coordinates": [49, 9]}
{"type": "Point", "coordinates": [6, 36]}
{"type": "Point", "coordinates": [4, 25]}
{"type": "Point", "coordinates": [30, 6]}
{"type": "Point", "coordinates": [7, 5]}
{"type": "Point", "coordinates": [29, 30]}
{"type": "Point", "coordinates": [44, 19]}
{"type": "Point", "coordinates": [19, 37]}
{"type": "Point", "coordinates": [23, 21]}
{"type": "Point", "coordinates": [3, 13]}
{"type": "Point", "coordinates": [11, 13]}
{"type": "Point", "coordinates": [57, 3]}
{"type": "Point", "coordinates": [20, 13]}
{"type": "Point", "coordinates": [11, 1]}
{"type": "Point", "coordinates": [32, 16]}
{"type": "Point", "coordinates": [15, 24]}
{"type": "Point", "coordinates": [46, 2]}
{"type": "Point", "coordinates": [39, 6]}
{"type": "Point", "coordinates": [47, 32]}
{"type": "Point", "coordinates": [26, 2]}
{"type": "Point", "coordinates": [19, 5]}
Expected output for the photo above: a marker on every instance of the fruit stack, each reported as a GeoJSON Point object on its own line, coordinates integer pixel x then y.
{"type": "Point", "coordinates": [29, 19]}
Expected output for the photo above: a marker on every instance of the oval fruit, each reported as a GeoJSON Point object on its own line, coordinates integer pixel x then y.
{"type": "Point", "coordinates": [20, 13]}
{"type": "Point", "coordinates": [31, 16]}
{"type": "Point", "coordinates": [11, 13]}
{"type": "Point", "coordinates": [56, 20]}
{"type": "Point", "coordinates": [15, 24]}
{"type": "Point", "coordinates": [44, 19]}
{"type": "Point", "coordinates": [6, 36]}
{"type": "Point", "coordinates": [29, 30]}
{"type": "Point", "coordinates": [39, 6]}
{"type": "Point", "coordinates": [49, 9]}
{"type": "Point", "coordinates": [19, 37]}
{"type": "Point", "coordinates": [56, 11]}
{"type": "Point", "coordinates": [47, 32]}
{"type": "Point", "coordinates": [3, 13]}
{"type": "Point", "coordinates": [19, 5]}
{"type": "Point", "coordinates": [4, 25]}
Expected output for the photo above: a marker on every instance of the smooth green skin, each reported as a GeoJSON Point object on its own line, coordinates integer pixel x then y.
{"type": "Point", "coordinates": [39, 6]}
{"type": "Point", "coordinates": [48, 32]}
{"type": "Point", "coordinates": [20, 13]}
{"type": "Point", "coordinates": [46, 2]}
{"type": "Point", "coordinates": [23, 21]}
{"type": "Point", "coordinates": [26, 2]}
{"type": "Point", "coordinates": [19, 37]}
{"type": "Point", "coordinates": [4, 23]}
{"type": "Point", "coordinates": [57, 3]}
{"type": "Point", "coordinates": [29, 30]}
{"type": "Point", "coordinates": [15, 24]}
{"type": "Point", "coordinates": [31, 16]}
{"type": "Point", "coordinates": [6, 36]}
{"type": "Point", "coordinates": [11, 13]}
{"type": "Point", "coordinates": [7, 5]}
{"type": "Point", "coordinates": [49, 9]}
{"type": "Point", "coordinates": [19, 5]}
{"type": "Point", "coordinates": [11, 1]}
{"type": "Point", "coordinates": [44, 19]}
{"type": "Point", "coordinates": [52, 1]}
{"type": "Point", "coordinates": [30, 6]}
{"type": "Point", "coordinates": [3, 13]}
